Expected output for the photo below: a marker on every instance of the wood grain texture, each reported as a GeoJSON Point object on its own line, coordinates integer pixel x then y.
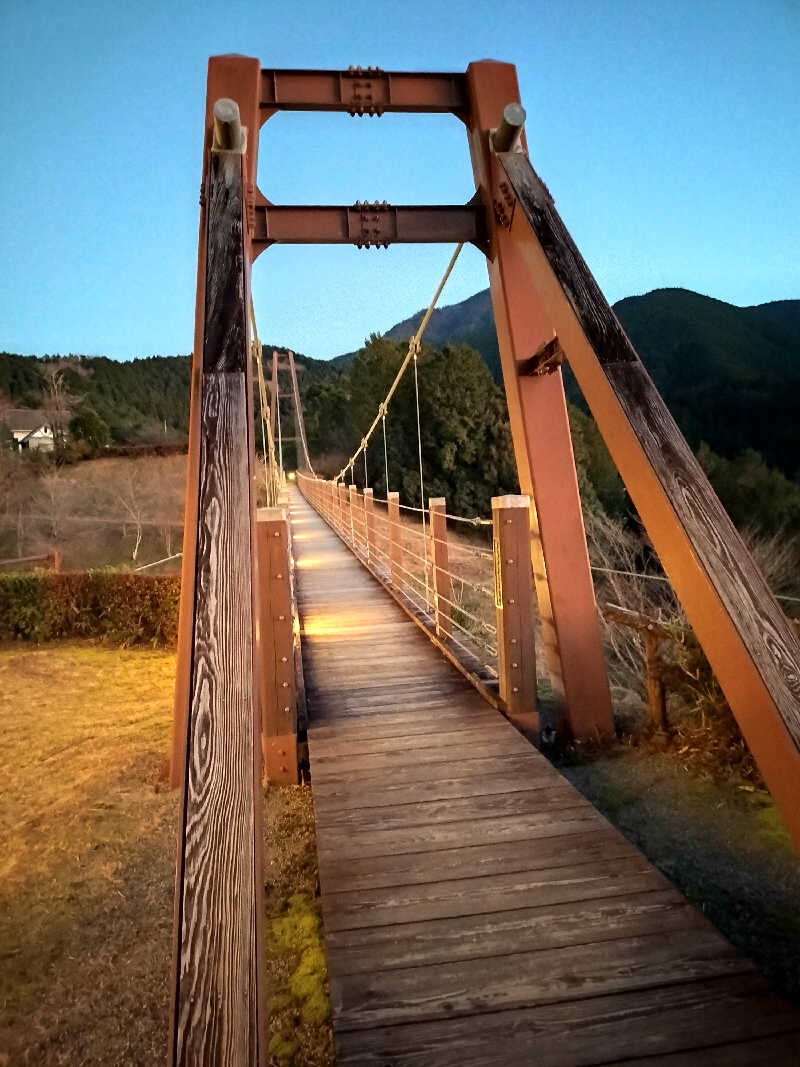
{"type": "Point", "coordinates": [225, 343]}
{"type": "Point", "coordinates": [469, 893]}
{"type": "Point", "coordinates": [411, 944]}
{"type": "Point", "coordinates": [731, 571]}
{"type": "Point", "coordinates": [525, 979]}
{"type": "Point", "coordinates": [686, 1018]}
{"type": "Point", "coordinates": [217, 981]}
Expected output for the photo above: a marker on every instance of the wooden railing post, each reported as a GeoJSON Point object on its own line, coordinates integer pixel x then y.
{"type": "Point", "coordinates": [341, 518]}
{"type": "Point", "coordinates": [514, 601]}
{"type": "Point", "coordinates": [369, 525]}
{"type": "Point", "coordinates": [395, 538]}
{"type": "Point", "coordinates": [442, 583]}
{"type": "Point", "coordinates": [278, 686]}
{"type": "Point", "coordinates": [352, 504]}
{"type": "Point", "coordinates": [656, 695]}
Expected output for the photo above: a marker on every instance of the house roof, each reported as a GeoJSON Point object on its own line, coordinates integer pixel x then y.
{"type": "Point", "coordinates": [23, 420]}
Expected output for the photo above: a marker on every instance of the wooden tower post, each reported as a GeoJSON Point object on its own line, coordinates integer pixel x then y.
{"type": "Point", "coordinates": [217, 1015]}
{"type": "Point", "coordinates": [540, 432]}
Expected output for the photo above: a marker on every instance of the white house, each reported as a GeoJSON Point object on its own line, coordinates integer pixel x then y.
{"type": "Point", "coordinates": [29, 429]}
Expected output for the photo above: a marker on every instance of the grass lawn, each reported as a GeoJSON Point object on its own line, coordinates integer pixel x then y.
{"type": "Point", "coordinates": [87, 868]}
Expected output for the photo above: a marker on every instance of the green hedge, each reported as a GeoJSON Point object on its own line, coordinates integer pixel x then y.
{"type": "Point", "coordinates": [125, 609]}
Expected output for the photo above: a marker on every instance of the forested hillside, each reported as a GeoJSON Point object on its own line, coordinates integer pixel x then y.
{"type": "Point", "coordinates": [729, 375]}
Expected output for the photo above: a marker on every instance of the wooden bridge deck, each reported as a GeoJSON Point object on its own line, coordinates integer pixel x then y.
{"type": "Point", "coordinates": [477, 909]}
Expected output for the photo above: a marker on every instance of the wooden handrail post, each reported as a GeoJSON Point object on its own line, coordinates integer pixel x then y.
{"type": "Point", "coordinates": [395, 538]}
{"type": "Point", "coordinates": [278, 686]}
{"type": "Point", "coordinates": [442, 583]}
{"type": "Point", "coordinates": [54, 559]}
{"type": "Point", "coordinates": [352, 504]}
{"type": "Point", "coordinates": [369, 524]}
{"type": "Point", "coordinates": [514, 601]}
{"type": "Point", "coordinates": [341, 516]}
{"type": "Point", "coordinates": [656, 695]}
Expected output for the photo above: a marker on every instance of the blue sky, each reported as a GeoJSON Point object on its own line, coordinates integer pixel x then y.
{"type": "Point", "coordinates": [667, 132]}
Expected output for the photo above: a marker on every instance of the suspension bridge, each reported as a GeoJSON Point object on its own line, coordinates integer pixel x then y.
{"type": "Point", "coordinates": [477, 909]}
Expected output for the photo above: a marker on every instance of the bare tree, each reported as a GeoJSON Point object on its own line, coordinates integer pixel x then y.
{"type": "Point", "coordinates": [57, 494]}
{"type": "Point", "coordinates": [58, 400]}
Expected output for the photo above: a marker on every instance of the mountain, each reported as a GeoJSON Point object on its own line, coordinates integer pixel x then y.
{"type": "Point", "coordinates": [140, 400]}
{"type": "Point", "coordinates": [730, 375]}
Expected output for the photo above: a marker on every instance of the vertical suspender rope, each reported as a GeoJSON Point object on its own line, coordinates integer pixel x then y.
{"type": "Point", "coordinates": [413, 347]}
{"type": "Point", "coordinates": [385, 460]}
{"type": "Point", "coordinates": [421, 483]}
{"type": "Point", "coordinates": [278, 418]}
{"type": "Point", "coordinates": [366, 476]}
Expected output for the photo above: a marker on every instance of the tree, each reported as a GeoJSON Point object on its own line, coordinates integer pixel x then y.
{"type": "Point", "coordinates": [87, 426]}
{"type": "Point", "coordinates": [57, 399]}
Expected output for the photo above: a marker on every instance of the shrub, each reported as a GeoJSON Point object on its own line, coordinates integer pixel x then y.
{"type": "Point", "coordinates": [124, 609]}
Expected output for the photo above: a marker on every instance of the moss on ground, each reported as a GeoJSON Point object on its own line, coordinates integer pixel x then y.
{"type": "Point", "coordinates": [298, 1000]}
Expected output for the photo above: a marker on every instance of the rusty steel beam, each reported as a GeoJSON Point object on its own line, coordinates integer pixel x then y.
{"type": "Point", "coordinates": [537, 409]}
{"type": "Point", "coordinates": [361, 91]}
{"type": "Point", "coordinates": [367, 225]}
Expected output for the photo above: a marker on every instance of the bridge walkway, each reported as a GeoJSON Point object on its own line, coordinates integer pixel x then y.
{"type": "Point", "coordinates": [477, 909]}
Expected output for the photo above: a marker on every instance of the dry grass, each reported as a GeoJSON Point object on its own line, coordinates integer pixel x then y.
{"type": "Point", "coordinates": [87, 869]}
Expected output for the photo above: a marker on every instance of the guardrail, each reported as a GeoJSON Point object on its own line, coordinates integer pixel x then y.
{"type": "Point", "coordinates": [474, 602]}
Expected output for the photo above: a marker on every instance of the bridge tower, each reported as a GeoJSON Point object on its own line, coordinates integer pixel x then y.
{"type": "Point", "coordinates": [547, 308]}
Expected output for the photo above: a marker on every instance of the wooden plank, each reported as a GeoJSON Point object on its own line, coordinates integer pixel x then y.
{"type": "Point", "coordinates": [504, 779]}
{"type": "Point", "coordinates": [477, 763]}
{"type": "Point", "coordinates": [584, 1033]}
{"type": "Point", "coordinates": [423, 720]}
{"type": "Point", "coordinates": [352, 909]}
{"type": "Point", "coordinates": [781, 1051]}
{"type": "Point", "coordinates": [362, 951]}
{"type": "Point", "coordinates": [431, 813]}
{"type": "Point", "coordinates": [483, 733]}
{"type": "Point", "coordinates": [745, 634]}
{"type": "Point", "coordinates": [324, 768]}
{"type": "Point", "coordinates": [525, 979]}
{"type": "Point", "coordinates": [583, 846]}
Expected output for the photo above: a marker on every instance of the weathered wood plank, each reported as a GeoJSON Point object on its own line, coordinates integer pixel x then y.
{"type": "Point", "coordinates": [584, 1033]}
{"type": "Point", "coordinates": [584, 846]}
{"type": "Point", "coordinates": [372, 948]}
{"type": "Point", "coordinates": [454, 883]}
{"type": "Point", "coordinates": [327, 768]}
{"type": "Point", "coordinates": [781, 1051]}
{"type": "Point", "coordinates": [217, 995]}
{"type": "Point", "coordinates": [490, 893]}
{"type": "Point", "coordinates": [431, 813]}
{"type": "Point", "coordinates": [482, 734]}
{"type": "Point", "coordinates": [225, 343]}
{"type": "Point", "coordinates": [512, 776]}
{"type": "Point", "coordinates": [524, 979]}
